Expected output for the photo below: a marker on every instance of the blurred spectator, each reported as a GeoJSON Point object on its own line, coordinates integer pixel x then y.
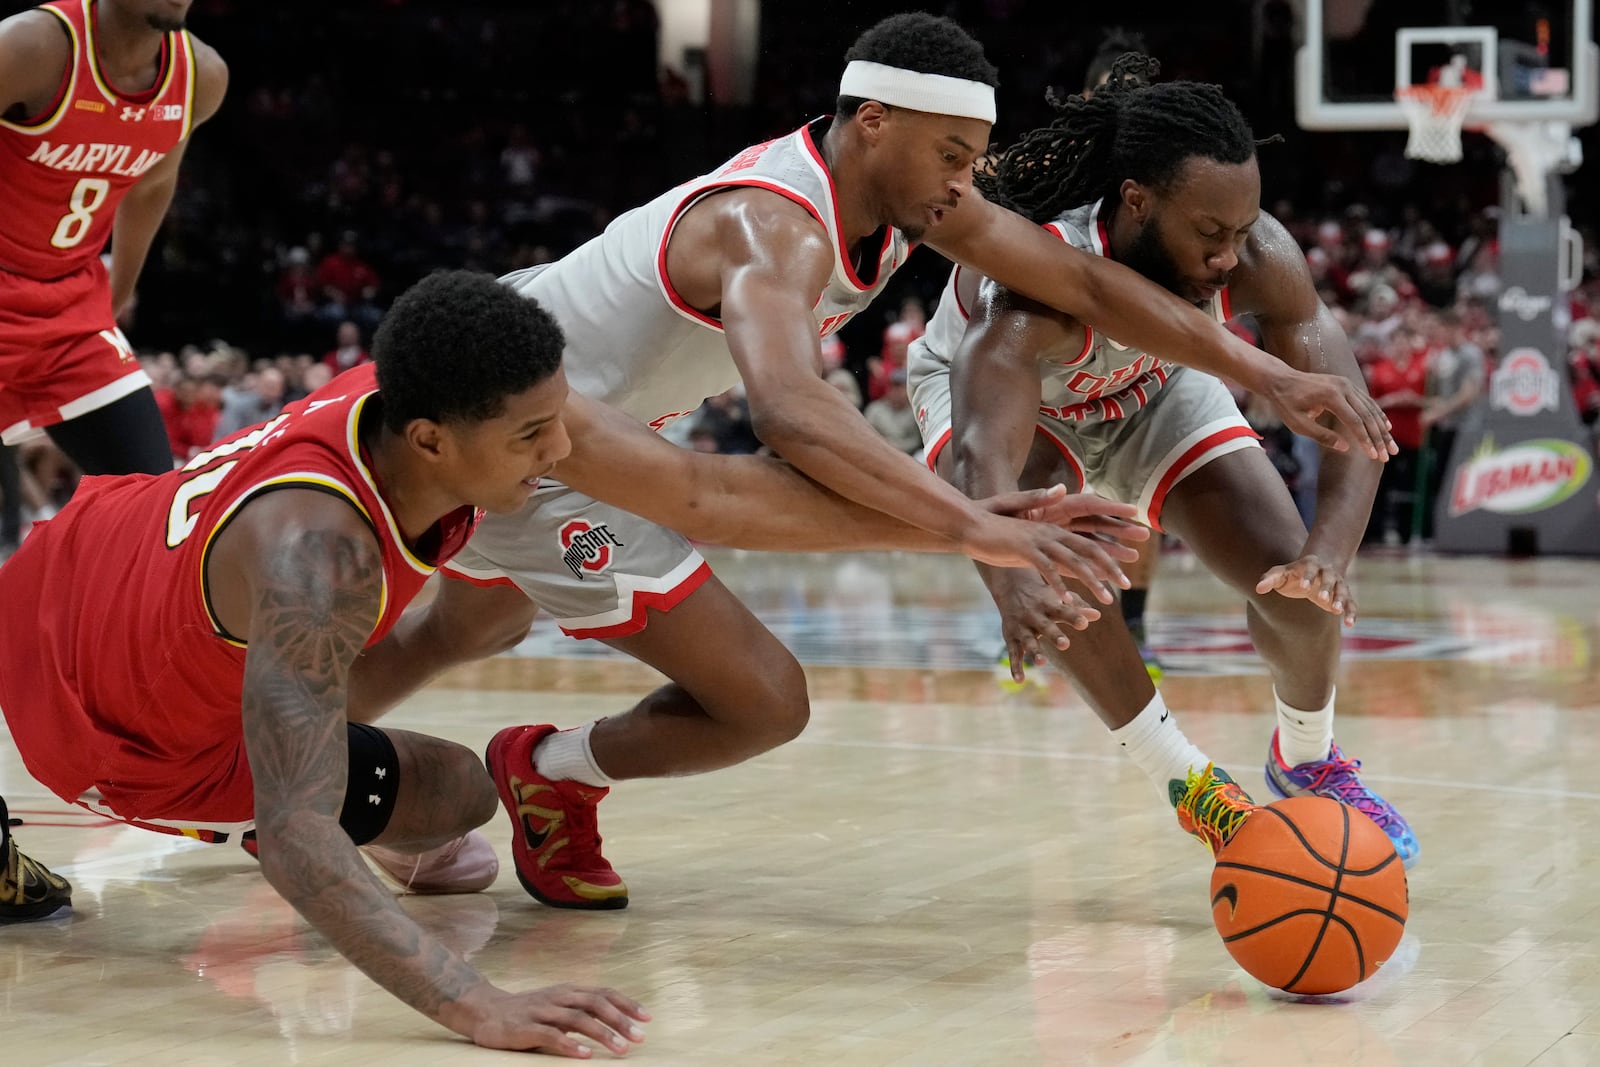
{"type": "Point", "coordinates": [349, 285]}
{"type": "Point", "coordinates": [1584, 339]}
{"type": "Point", "coordinates": [347, 351]}
{"type": "Point", "coordinates": [297, 287]}
{"type": "Point", "coordinates": [260, 400]}
{"type": "Point", "coordinates": [892, 417]}
{"type": "Point", "coordinates": [1397, 379]}
{"type": "Point", "coordinates": [1457, 371]}
{"type": "Point", "coordinates": [191, 409]}
{"type": "Point", "coordinates": [911, 324]}
{"type": "Point", "coordinates": [842, 380]}
{"type": "Point", "coordinates": [726, 419]}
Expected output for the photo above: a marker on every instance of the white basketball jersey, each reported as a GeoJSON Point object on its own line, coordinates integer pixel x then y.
{"type": "Point", "coordinates": [1106, 380]}
{"type": "Point", "coordinates": [633, 342]}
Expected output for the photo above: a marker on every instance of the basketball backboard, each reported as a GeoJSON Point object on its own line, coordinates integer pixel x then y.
{"type": "Point", "coordinates": [1530, 62]}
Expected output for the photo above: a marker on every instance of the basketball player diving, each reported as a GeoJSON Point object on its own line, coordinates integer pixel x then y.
{"type": "Point", "coordinates": [178, 647]}
{"type": "Point", "coordinates": [734, 276]}
{"type": "Point", "coordinates": [97, 102]}
{"type": "Point", "coordinates": [1163, 178]}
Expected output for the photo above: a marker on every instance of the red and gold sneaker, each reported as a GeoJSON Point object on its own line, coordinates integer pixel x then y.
{"type": "Point", "coordinates": [556, 846]}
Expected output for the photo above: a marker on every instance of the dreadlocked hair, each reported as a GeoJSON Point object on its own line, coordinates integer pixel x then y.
{"type": "Point", "coordinates": [1129, 128]}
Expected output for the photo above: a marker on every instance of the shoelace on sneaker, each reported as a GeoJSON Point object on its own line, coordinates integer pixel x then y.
{"type": "Point", "coordinates": [582, 824]}
{"type": "Point", "coordinates": [1338, 774]}
{"type": "Point", "coordinates": [1210, 801]}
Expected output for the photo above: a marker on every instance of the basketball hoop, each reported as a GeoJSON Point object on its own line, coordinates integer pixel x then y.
{"type": "Point", "coordinates": [1435, 113]}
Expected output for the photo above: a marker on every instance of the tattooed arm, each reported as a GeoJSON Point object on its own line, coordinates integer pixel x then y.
{"type": "Point", "coordinates": [299, 573]}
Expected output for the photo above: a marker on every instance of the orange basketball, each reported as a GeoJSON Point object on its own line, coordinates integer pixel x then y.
{"type": "Point", "coordinates": [1309, 896]}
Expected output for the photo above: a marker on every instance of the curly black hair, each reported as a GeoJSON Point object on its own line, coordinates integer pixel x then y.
{"type": "Point", "coordinates": [928, 44]}
{"type": "Point", "coordinates": [1129, 128]}
{"type": "Point", "coordinates": [1116, 42]}
{"type": "Point", "coordinates": [456, 344]}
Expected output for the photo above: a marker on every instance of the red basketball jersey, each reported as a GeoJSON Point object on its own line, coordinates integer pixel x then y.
{"type": "Point", "coordinates": [114, 674]}
{"type": "Point", "coordinates": [65, 172]}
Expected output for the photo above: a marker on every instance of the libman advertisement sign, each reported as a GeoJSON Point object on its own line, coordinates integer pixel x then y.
{"type": "Point", "coordinates": [1526, 477]}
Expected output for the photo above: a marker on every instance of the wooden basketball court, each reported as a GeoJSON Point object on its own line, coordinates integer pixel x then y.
{"type": "Point", "coordinates": [937, 874]}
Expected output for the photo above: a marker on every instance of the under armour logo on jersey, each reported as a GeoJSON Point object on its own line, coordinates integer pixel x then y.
{"type": "Point", "coordinates": [381, 772]}
{"type": "Point", "coordinates": [133, 114]}
{"type": "Point", "coordinates": [374, 798]}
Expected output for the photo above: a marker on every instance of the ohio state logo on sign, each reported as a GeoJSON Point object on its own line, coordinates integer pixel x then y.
{"type": "Point", "coordinates": [585, 547]}
{"type": "Point", "coordinates": [1525, 383]}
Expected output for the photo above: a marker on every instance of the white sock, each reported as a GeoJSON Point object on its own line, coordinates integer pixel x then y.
{"type": "Point", "coordinates": [1157, 745]}
{"type": "Point", "coordinates": [566, 756]}
{"type": "Point", "coordinates": [1304, 736]}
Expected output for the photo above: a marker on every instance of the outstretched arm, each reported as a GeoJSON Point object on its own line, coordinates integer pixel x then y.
{"type": "Point", "coordinates": [762, 260]}
{"type": "Point", "coordinates": [1120, 303]}
{"type": "Point", "coordinates": [313, 585]}
{"type": "Point", "coordinates": [1272, 282]}
{"type": "Point", "coordinates": [995, 396]}
{"type": "Point", "coordinates": [762, 503]}
{"type": "Point", "coordinates": [145, 205]}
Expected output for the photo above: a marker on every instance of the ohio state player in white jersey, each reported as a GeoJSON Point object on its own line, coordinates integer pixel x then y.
{"type": "Point", "coordinates": [1164, 178]}
{"type": "Point", "coordinates": [735, 276]}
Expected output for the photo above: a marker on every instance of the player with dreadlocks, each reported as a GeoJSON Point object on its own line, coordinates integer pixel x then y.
{"type": "Point", "coordinates": [1161, 177]}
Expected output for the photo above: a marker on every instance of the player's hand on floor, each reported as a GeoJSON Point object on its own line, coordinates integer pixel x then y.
{"type": "Point", "coordinates": [1302, 400]}
{"type": "Point", "coordinates": [544, 1020]}
{"type": "Point", "coordinates": [1310, 578]}
{"type": "Point", "coordinates": [1051, 551]}
{"type": "Point", "coordinates": [1033, 617]}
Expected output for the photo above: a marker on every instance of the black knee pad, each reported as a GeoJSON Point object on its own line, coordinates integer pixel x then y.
{"type": "Point", "coordinates": [373, 784]}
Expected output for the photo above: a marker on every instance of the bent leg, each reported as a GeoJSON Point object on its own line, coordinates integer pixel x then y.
{"type": "Point", "coordinates": [1298, 641]}
{"type": "Point", "coordinates": [736, 692]}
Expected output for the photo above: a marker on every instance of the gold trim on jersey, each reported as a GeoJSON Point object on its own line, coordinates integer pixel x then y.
{"type": "Point", "coordinates": [353, 442]}
{"type": "Point", "coordinates": [111, 94]}
{"type": "Point", "coordinates": [310, 479]}
{"type": "Point", "coordinates": [72, 83]}
{"type": "Point", "coordinates": [188, 89]}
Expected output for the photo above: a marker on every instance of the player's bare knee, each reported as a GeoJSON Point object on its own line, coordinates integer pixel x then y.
{"type": "Point", "coordinates": [789, 703]}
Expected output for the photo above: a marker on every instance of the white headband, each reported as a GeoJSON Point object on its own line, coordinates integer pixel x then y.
{"type": "Point", "coordinates": [936, 94]}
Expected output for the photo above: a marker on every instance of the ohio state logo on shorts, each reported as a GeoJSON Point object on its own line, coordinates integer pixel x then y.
{"type": "Point", "coordinates": [585, 547]}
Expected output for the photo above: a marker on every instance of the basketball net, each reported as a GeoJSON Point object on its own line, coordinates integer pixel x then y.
{"type": "Point", "coordinates": [1435, 113]}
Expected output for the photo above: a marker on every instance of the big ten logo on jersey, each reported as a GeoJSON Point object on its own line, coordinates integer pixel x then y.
{"type": "Point", "coordinates": [586, 547]}
{"type": "Point", "coordinates": [747, 159]}
{"type": "Point", "coordinates": [155, 113]}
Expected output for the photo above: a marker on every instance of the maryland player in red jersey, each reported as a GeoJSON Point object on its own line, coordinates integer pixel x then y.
{"type": "Point", "coordinates": [178, 646]}
{"type": "Point", "coordinates": [97, 102]}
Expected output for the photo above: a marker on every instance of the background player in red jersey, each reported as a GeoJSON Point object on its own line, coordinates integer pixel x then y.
{"type": "Point", "coordinates": [210, 693]}
{"type": "Point", "coordinates": [97, 101]}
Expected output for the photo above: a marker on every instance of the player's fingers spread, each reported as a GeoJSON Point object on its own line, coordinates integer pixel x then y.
{"type": "Point", "coordinates": [583, 1021]}
{"type": "Point", "coordinates": [613, 1010]}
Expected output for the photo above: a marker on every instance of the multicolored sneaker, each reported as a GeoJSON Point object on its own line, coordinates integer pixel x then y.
{"type": "Point", "coordinates": [466, 865]}
{"type": "Point", "coordinates": [28, 889]}
{"type": "Point", "coordinates": [1338, 778]}
{"type": "Point", "coordinates": [1210, 805]}
{"type": "Point", "coordinates": [557, 843]}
